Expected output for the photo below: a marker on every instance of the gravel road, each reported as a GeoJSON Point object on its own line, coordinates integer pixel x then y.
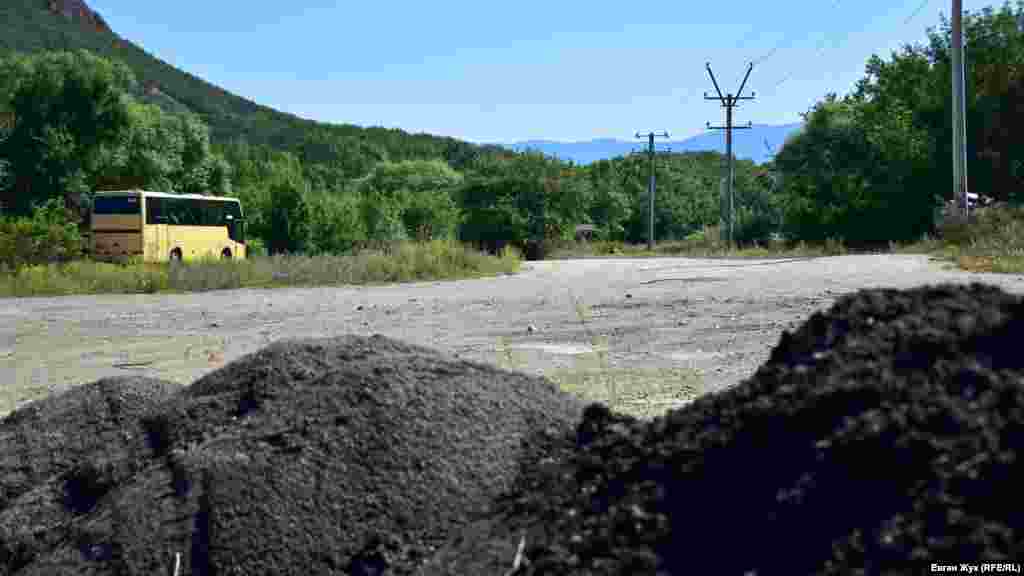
{"type": "Point", "coordinates": [717, 318]}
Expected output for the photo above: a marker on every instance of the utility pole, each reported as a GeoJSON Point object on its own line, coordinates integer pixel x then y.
{"type": "Point", "coordinates": [650, 185]}
{"type": "Point", "coordinates": [958, 62]}
{"type": "Point", "coordinates": [956, 47]}
{"type": "Point", "coordinates": [729, 102]}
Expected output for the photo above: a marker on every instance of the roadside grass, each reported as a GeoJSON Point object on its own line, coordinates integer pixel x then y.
{"type": "Point", "coordinates": [991, 240]}
{"type": "Point", "coordinates": [404, 262]}
{"type": "Point", "coordinates": [707, 243]}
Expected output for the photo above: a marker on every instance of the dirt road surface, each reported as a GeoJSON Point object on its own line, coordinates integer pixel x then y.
{"type": "Point", "coordinates": [714, 319]}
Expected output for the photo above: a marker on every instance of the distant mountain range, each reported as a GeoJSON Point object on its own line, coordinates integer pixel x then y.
{"type": "Point", "coordinates": [747, 144]}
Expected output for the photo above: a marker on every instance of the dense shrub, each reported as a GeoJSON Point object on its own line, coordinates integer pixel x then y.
{"type": "Point", "coordinates": [335, 226]}
{"type": "Point", "coordinates": [288, 219]}
{"type": "Point", "coordinates": [50, 235]}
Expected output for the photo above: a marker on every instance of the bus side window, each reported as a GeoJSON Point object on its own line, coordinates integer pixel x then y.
{"type": "Point", "coordinates": [155, 210]}
{"type": "Point", "coordinates": [187, 211]}
{"type": "Point", "coordinates": [172, 208]}
{"type": "Point", "coordinates": [213, 213]}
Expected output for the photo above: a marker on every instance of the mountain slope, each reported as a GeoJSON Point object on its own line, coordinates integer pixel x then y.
{"type": "Point", "coordinates": [35, 25]}
{"type": "Point", "coordinates": [747, 144]}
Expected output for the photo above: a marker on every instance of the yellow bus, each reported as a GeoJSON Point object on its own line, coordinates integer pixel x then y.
{"type": "Point", "coordinates": [160, 227]}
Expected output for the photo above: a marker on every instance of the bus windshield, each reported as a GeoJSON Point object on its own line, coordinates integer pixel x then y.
{"type": "Point", "coordinates": [116, 205]}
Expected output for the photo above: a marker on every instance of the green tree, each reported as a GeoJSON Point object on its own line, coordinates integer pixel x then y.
{"type": "Point", "coordinates": [491, 216]}
{"type": "Point", "coordinates": [758, 210]}
{"type": "Point", "coordinates": [335, 225]}
{"type": "Point", "coordinates": [851, 174]}
{"type": "Point", "coordinates": [413, 175]}
{"type": "Point", "coordinates": [164, 152]}
{"type": "Point", "coordinates": [5, 174]}
{"type": "Point", "coordinates": [609, 207]}
{"type": "Point", "coordinates": [410, 199]}
{"type": "Point", "coordinates": [148, 154]}
{"type": "Point", "coordinates": [818, 170]}
{"type": "Point", "coordinates": [66, 108]}
{"type": "Point", "coordinates": [431, 215]}
{"type": "Point", "coordinates": [288, 217]}
{"type": "Point", "coordinates": [382, 216]}
{"type": "Point", "coordinates": [201, 171]}
{"type": "Point", "coordinates": [264, 174]}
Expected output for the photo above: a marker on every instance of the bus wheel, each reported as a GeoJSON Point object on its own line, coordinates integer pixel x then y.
{"type": "Point", "coordinates": [176, 255]}
{"type": "Point", "coordinates": [226, 254]}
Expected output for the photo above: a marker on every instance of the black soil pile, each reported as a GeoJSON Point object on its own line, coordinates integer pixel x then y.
{"type": "Point", "coordinates": [881, 436]}
{"type": "Point", "coordinates": [339, 456]}
{"type": "Point", "coordinates": [60, 455]}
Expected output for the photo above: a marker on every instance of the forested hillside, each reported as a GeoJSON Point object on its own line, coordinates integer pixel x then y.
{"type": "Point", "coordinates": [868, 168]}
{"type": "Point", "coordinates": [29, 26]}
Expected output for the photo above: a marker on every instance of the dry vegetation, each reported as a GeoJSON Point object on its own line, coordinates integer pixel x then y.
{"type": "Point", "coordinates": [404, 262]}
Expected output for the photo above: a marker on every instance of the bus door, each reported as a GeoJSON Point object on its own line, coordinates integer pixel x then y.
{"type": "Point", "coordinates": [156, 217]}
{"type": "Point", "coordinates": [163, 248]}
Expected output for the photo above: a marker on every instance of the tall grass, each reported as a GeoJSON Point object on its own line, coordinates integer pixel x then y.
{"type": "Point", "coordinates": [434, 260]}
{"type": "Point", "coordinates": [990, 240]}
{"type": "Point", "coordinates": [706, 243]}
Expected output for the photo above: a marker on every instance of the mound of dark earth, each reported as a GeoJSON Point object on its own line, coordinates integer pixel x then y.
{"type": "Point", "coordinates": [349, 455]}
{"type": "Point", "coordinates": [881, 436]}
{"type": "Point", "coordinates": [59, 455]}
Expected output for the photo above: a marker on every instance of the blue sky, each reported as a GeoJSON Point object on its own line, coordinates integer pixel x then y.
{"type": "Point", "coordinates": [511, 71]}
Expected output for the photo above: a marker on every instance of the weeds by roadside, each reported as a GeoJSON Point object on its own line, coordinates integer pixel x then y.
{"type": "Point", "coordinates": [707, 243]}
{"type": "Point", "coordinates": [640, 391]}
{"type": "Point", "coordinates": [435, 260]}
{"type": "Point", "coordinates": [991, 240]}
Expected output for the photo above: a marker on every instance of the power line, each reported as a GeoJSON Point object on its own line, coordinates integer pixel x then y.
{"type": "Point", "coordinates": [916, 11]}
{"type": "Point", "coordinates": [778, 45]}
{"type": "Point", "coordinates": [820, 49]}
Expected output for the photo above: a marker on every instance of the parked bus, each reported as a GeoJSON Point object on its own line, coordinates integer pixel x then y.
{"type": "Point", "coordinates": [161, 227]}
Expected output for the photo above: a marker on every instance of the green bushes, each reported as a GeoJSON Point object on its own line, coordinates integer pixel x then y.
{"type": "Point", "coordinates": [289, 219]}
{"type": "Point", "coordinates": [431, 215]}
{"type": "Point", "coordinates": [50, 235]}
{"type": "Point", "coordinates": [335, 226]}
{"type": "Point", "coordinates": [851, 175]}
{"type": "Point", "coordinates": [409, 200]}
